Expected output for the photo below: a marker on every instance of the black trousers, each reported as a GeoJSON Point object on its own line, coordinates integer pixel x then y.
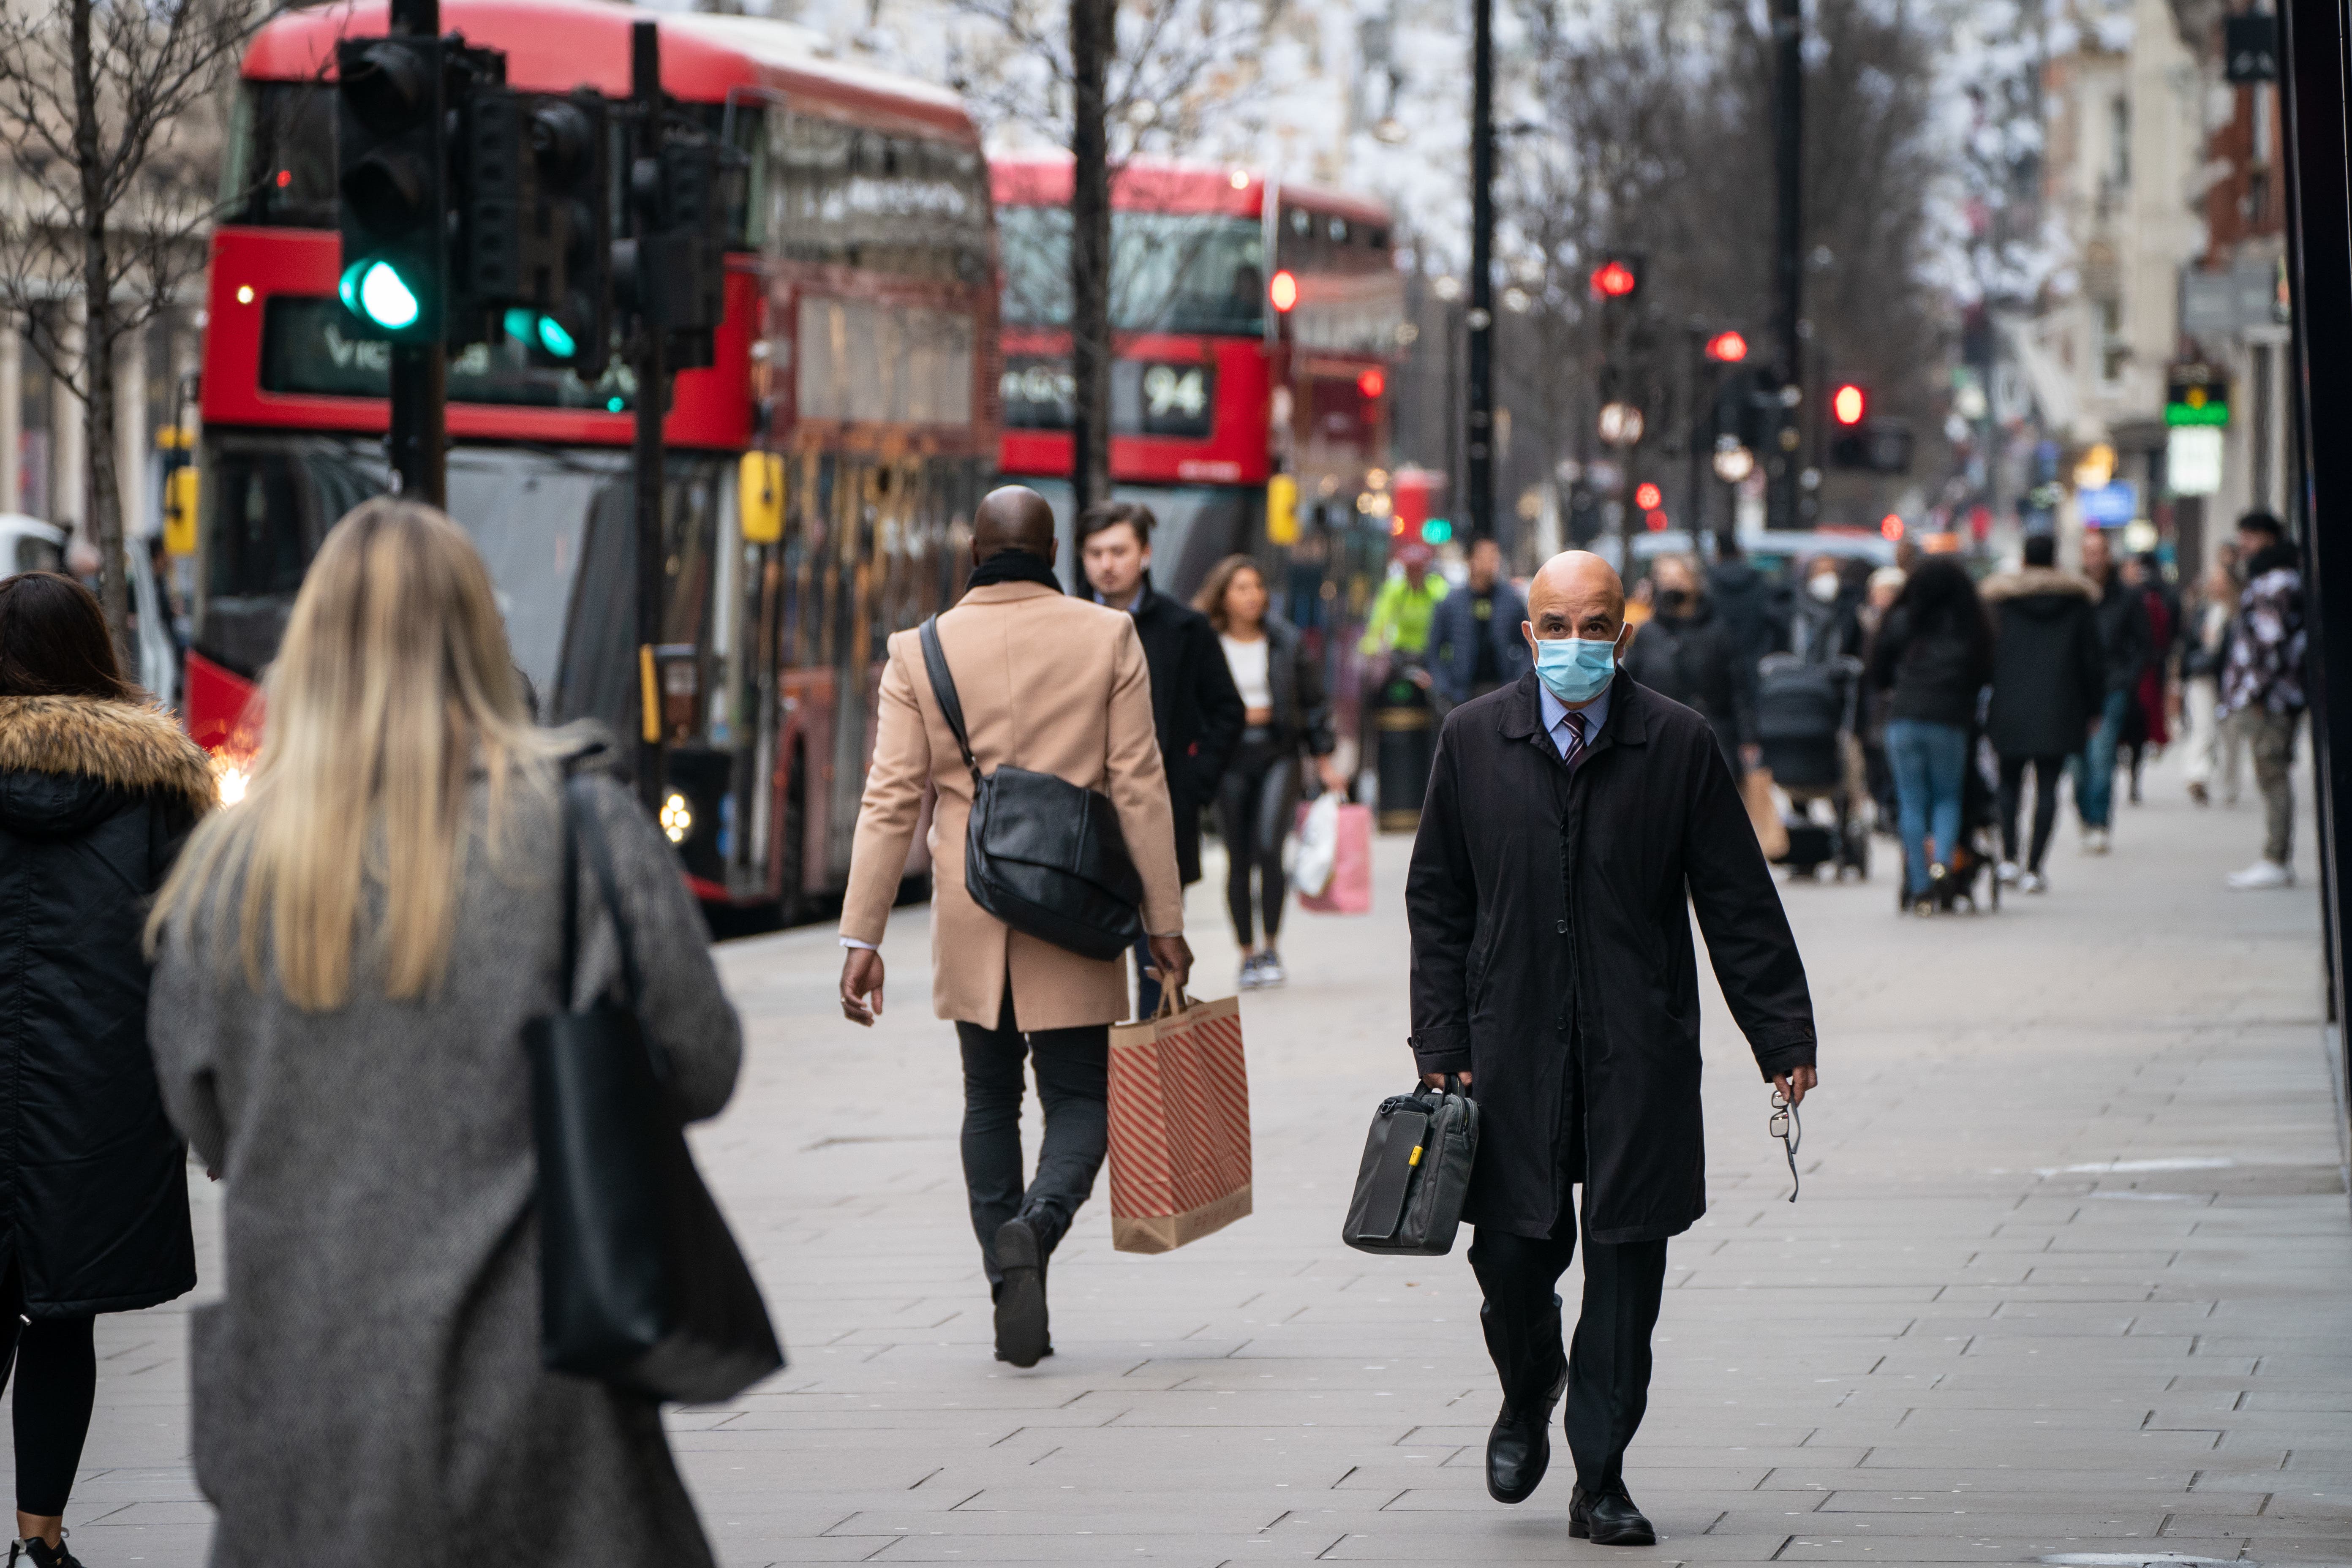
{"type": "Point", "coordinates": [1256, 801]}
{"type": "Point", "coordinates": [1073, 1068]}
{"type": "Point", "coordinates": [1608, 1363]}
{"type": "Point", "coordinates": [56, 1364]}
{"type": "Point", "coordinates": [2046, 773]}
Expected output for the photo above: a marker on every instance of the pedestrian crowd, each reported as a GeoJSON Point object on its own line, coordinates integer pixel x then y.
{"type": "Point", "coordinates": [320, 992]}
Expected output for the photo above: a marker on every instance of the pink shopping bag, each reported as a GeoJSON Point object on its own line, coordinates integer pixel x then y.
{"type": "Point", "coordinates": [1351, 892]}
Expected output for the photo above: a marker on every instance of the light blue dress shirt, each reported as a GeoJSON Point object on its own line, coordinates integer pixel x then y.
{"type": "Point", "coordinates": [1595, 714]}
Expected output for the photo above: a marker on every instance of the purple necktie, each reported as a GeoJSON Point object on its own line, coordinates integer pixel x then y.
{"type": "Point", "coordinates": [1575, 723]}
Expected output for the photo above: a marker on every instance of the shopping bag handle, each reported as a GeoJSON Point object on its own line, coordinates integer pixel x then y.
{"type": "Point", "coordinates": [1173, 999]}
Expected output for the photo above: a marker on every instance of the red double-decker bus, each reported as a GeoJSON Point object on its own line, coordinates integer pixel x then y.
{"type": "Point", "coordinates": [1253, 326]}
{"type": "Point", "coordinates": [856, 348]}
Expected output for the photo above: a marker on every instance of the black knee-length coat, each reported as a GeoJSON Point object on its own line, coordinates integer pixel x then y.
{"type": "Point", "coordinates": [1548, 908]}
{"type": "Point", "coordinates": [96, 798]}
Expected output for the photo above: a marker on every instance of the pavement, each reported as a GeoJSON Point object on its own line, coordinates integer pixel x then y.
{"type": "Point", "coordinates": [2068, 1281]}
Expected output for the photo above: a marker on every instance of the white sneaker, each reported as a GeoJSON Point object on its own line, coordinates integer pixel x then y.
{"type": "Point", "coordinates": [1251, 976]}
{"type": "Point", "coordinates": [2261, 874]}
{"type": "Point", "coordinates": [2033, 882]}
{"type": "Point", "coordinates": [1270, 972]}
{"type": "Point", "coordinates": [2095, 841]}
{"type": "Point", "coordinates": [2007, 873]}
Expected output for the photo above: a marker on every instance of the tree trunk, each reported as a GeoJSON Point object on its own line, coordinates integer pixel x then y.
{"type": "Point", "coordinates": [102, 514]}
{"type": "Point", "coordinates": [1092, 42]}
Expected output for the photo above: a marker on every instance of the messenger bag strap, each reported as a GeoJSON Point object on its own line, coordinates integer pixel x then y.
{"type": "Point", "coordinates": [943, 688]}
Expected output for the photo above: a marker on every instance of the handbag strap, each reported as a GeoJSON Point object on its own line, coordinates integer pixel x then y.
{"type": "Point", "coordinates": [581, 830]}
{"type": "Point", "coordinates": [943, 688]}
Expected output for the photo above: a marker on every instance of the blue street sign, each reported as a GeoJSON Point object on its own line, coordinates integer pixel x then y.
{"type": "Point", "coordinates": [2110, 505]}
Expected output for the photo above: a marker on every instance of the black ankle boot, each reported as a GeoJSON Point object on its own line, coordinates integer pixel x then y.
{"type": "Point", "coordinates": [1022, 1336]}
{"type": "Point", "coordinates": [1519, 1450]}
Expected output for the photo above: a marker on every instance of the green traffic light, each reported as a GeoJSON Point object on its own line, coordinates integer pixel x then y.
{"type": "Point", "coordinates": [554, 339]}
{"type": "Point", "coordinates": [376, 290]}
{"type": "Point", "coordinates": [516, 321]}
{"type": "Point", "coordinates": [1436, 531]}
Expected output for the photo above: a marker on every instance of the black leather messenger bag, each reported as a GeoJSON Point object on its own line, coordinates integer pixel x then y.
{"type": "Point", "coordinates": [1042, 855]}
{"type": "Point", "coordinates": [1416, 1173]}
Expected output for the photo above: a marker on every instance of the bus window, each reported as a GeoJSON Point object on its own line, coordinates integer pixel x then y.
{"type": "Point", "coordinates": [280, 169]}
{"type": "Point", "coordinates": [841, 195]}
{"type": "Point", "coordinates": [1171, 272]}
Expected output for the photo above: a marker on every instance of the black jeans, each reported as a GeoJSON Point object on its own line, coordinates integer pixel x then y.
{"type": "Point", "coordinates": [56, 1363]}
{"type": "Point", "coordinates": [1073, 1084]}
{"type": "Point", "coordinates": [2046, 772]}
{"type": "Point", "coordinates": [1256, 801]}
{"type": "Point", "coordinates": [1609, 1360]}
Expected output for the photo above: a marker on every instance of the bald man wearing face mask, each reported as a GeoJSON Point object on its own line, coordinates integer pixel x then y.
{"type": "Point", "coordinates": [1574, 819]}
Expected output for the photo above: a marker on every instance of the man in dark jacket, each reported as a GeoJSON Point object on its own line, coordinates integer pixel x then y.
{"type": "Point", "coordinates": [2128, 646]}
{"type": "Point", "coordinates": [2049, 686]}
{"type": "Point", "coordinates": [1743, 598]}
{"type": "Point", "coordinates": [1194, 706]}
{"type": "Point", "coordinates": [1474, 635]}
{"type": "Point", "coordinates": [1569, 816]}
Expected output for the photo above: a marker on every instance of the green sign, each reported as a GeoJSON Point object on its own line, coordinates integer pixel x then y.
{"type": "Point", "coordinates": [2196, 394]}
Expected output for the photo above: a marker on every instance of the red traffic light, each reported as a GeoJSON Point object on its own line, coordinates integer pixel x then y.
{"type": "Point", "coordinates": [1654, 522]}
{"type": "Point", "coordinates": [1282, 289]}
{"type": "Point", "coordinates": [1728, 348]}
{"type": "Point", "coordinates": [1372, 383]}
{"type": "Point", "coordinates": [1648, 496]}
{"type": "Point", "coordinates": [1890, 526]}
{"type": "Point", "coordinates": [1613, 279]}
{"type": "Point", "coordinates": [1847, 405]}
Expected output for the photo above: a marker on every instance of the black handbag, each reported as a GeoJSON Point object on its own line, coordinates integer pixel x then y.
{"type": "Point", "coordinates": [1416, 1173]}
{"type": "Point", "coordinates": [641, 1284]}
{"type": "Point", "coordinates": [1042, 855]}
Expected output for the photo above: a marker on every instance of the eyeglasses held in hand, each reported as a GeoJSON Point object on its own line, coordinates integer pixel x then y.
{"type": "Point", "coordinates": [1789, 1129]}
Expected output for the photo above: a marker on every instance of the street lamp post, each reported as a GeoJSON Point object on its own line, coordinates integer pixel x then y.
{"type": "Point", "coordinates": [1788, 169]}
{"type": "Point", "coordinates": [1479, 481]}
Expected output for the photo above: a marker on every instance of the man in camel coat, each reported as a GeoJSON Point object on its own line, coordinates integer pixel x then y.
{"type": "Point", "coordinates": [1058, 686]}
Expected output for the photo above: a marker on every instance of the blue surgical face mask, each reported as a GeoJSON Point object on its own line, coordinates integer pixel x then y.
{"type": "Point", "coordinates": [1575, 668]}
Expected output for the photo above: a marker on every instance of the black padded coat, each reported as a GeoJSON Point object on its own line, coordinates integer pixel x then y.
{"type": "Point", "coordinates": [96, 798]}
{"type": "Point", "coordinates": [1550, 918]}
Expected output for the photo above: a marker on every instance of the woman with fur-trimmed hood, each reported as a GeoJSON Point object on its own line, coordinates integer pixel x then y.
{"type": "Point", "coordinates": [97, 791]}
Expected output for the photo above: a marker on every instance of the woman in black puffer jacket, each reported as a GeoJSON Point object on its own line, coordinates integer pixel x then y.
{"type": "Point", "coordinates": [1934, 653]}
{"type": "Point", "coordinates": [97, 791]}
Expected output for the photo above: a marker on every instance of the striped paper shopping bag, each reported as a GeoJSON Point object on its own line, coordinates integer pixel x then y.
{"type": "Point", "coordinates": [1179, 1126]}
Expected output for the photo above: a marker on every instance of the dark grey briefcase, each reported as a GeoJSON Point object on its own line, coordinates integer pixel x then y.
{"type": "Point", "coordinates": [1416, 1171]}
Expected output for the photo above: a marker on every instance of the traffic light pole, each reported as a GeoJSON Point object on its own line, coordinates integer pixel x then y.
{"type": "Point", "coordinates": [1780, 465]}
{"type": "Point", "coordinates": [419, 441]}
{"type": "Point", "coordinates": [420, 436]}
{"type": "Point", "coordinates": [646, 362]}
{"type": "Point", "coordinates": [1479, 481]}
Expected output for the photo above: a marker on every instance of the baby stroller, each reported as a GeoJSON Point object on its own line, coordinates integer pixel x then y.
{"type": "Point", "coordinates": [1805, 712]}
{"type": "Point", "coordinates": [1974, 859]}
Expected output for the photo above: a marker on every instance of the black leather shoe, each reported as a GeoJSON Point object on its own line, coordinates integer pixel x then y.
{"type": "Point", "coordinates": [1519, 1450]}
{"type": "Point", "coordinates": [1607, 1519]}
{"type": "Point", "coordinates": [1021, 1330]}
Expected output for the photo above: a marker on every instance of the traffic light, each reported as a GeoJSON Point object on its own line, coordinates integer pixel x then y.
{"type": "Point", "coordinates": [672, 269]}
{"type": "Point", "coordinates": [1726, 348]}
{"type": "Point", "coordinates": [1848, 403]}
{"type": "Point", "coordinates": [534, 224]}
{"type": "Point", "coordinates": [393, 175]}
{"type": "Point", "coordinates": [1880, 445]}
{"type": "Point", "coordinates": [1617, 278]}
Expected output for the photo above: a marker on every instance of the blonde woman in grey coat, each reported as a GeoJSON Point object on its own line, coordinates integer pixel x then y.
{"type": "Point", "coordinates": [347, 959]}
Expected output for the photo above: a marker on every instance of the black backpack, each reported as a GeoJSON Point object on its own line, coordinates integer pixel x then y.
{"type": "Point", "coordinates": [1042, 855]}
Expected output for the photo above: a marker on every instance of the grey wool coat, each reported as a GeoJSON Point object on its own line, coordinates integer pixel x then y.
{"type": "Point", "coordinates": [369, 1391]}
